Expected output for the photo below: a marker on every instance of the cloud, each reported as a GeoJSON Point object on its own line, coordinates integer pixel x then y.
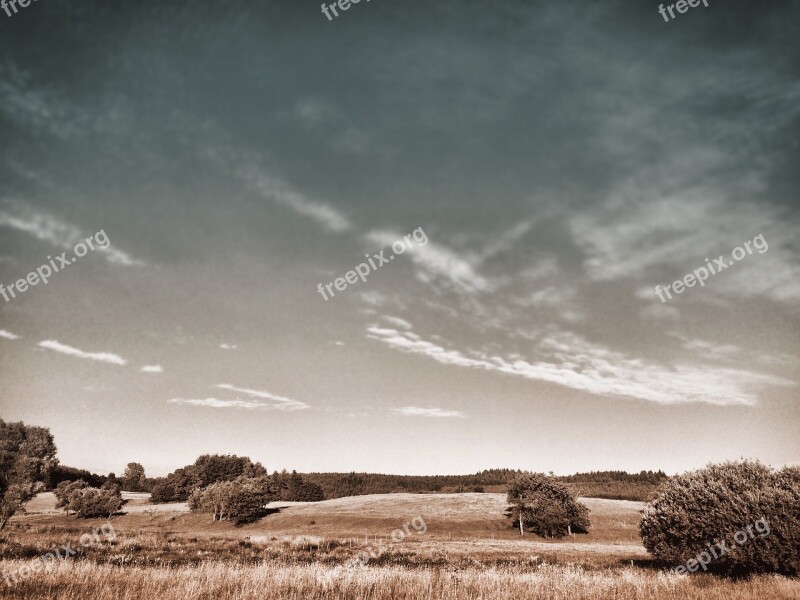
{"type": "Point", "coordinates": [8, 335]}
{"type": "Point", "coordinates": [659, 311]}
{"type": "Point", "coordinates": [216, 403]}
{"type": "Point", "coordinates": [435, 261]}
{"type": "Point", "coordinates": [374, 298]}
{"type": "Point", "coordinates": [280, 192]}
{"type": "Point", "coordinates": [47, 228]}
{"type": "Point", "coordinates": [650, 230]}
{"type": "Point", "coordinates": [228, 346]}
{"type": "Point", "coordinates": [281, 402]}
{"type": "Point", "coordinates": [416, 411]}
{"type": "Point", "coordinates": [313, 111]}
{"type": "Point", "coordinates": [506, 241]}
{"type": "Point", "coordinates": [397, 321]}
{"type": "Point", "coordinates": [571, 361]}
{"type": "Point", "coordinates": [152, 369]}
{"type": "Point", "coordinates": [408, 341]}
{"type": "Point", "coordinates": [98, 356]}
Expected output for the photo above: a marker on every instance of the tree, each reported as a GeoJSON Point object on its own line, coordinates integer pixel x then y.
{"type": "Point", "coordinates": [27, 455]}
{"type": "Point", "coordinates": [63, 473]}
{"type": "Point", "coordinates": [134, 478]}
{"type": "Point", "coordinates": [91, 502]}
{"type": "Point", "coordinates": [241, 501]}
{"type": "Point", "coordinates": [309, 492]}
{"type": "Point", "coordinates": [207, 469]}
{"type": "Point", "coordinates": [694, 511]}
{"type": "Point", "coordinates": [65, 490]}
{"type": "Point", "coordinates": [544, 506]}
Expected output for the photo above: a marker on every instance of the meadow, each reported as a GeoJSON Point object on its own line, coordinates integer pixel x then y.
{"type": "Point", "coordinates": [306, 550]}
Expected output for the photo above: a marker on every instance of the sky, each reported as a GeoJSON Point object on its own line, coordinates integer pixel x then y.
{"type": "Point", "coordinates": [552, 162]}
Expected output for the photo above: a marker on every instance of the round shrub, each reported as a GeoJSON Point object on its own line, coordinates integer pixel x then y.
{"type": "Point", "coordinates": [545, 506]}
{"type": "Point", "coordinates": [695, 512]}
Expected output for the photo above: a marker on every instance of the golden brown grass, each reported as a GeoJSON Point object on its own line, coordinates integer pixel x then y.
{"type": "Point", "coordinates": [82, 580]}
{"type": "Point", "coordinates": [306, 551]}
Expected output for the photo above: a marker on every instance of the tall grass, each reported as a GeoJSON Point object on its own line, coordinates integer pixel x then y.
{"type": "Point", "coordinates": [80, 580]}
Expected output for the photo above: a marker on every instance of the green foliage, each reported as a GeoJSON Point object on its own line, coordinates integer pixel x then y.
{"type": "Point", "coordinates": [617, 485]}
{"type": "Point", "coordinates": [91, 503]}
{"type": "Point", "coordinates": [698, 509]}
{"type": "Point", "coordinates": [66, 489]}
{"type": "Point", "coordinates": [546, 506]}
{"type": "Point", "coordinates": [206, 470]}
{"type": "Point", "coordinates": [62, 473]}
{"type": "Point", "coordinates": [27, 455]}
{"type": "Point", "coordinates": [241, 501]}
{"type": "Point", "coordinates": [134, 480]}
{"type": "Point", "coordinates": [294, 488]}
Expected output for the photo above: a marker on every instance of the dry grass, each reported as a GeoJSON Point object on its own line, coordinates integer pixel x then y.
{"type": "Point", "coordinates": [306, 551]}
{"type": "Point", "coordinates": [78, 581]}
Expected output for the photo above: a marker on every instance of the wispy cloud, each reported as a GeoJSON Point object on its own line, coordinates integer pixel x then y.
{"type": "Point", "coordinates": [436, 261]}
{"type": "Point", "coordinates": [571, 361]}
{"type": "Point", "coordinates": [373, 298]}
{"type": "Point", "coordinates": [397, 322]}
{"type": "Point", "coordinates": [507, 240]}
{"type": "Point", "coordinates": [280, 192]}
{"type": "Point", "coordinates": [228, 346]}
{"type": "Point", "coordinates": [106, 357]}
{"type": "Point", "coordinates": [416, 411]}
{"type": "Point", "coordinates": [152, 369]}
{"type": "Point", "coordinates": [8, 335]}
{"type": "Point", "coordinates": [62, 235]}
{"type": "Point", "coordinates": [216, 403]}
{"type": "Point", "coordinates": [672, 233]}
{"type": "Point", "coordinates": [280, 402]}
{"type": "Point", "coordinates": [708, 350]}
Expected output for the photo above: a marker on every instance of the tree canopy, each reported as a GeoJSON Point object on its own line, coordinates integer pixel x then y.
{"type": "Point", "coordinates": [27, 455]}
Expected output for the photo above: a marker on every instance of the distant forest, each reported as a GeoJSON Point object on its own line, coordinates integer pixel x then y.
{"type": "Point", "coordinates": [615, 485]}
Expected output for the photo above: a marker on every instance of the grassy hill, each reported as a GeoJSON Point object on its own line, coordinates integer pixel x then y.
{"type": "Point", "coordinates": [306, 551]}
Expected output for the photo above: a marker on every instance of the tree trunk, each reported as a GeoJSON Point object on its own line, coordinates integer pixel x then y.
{"type": "Point", "coordinates": [521, 528]}
{"type": "Point", "coordinates": [569, 529]}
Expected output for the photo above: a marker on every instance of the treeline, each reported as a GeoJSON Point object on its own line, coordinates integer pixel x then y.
{"type": "Point", "coordinates": [210, 469]}
{"type": "Point", "coordinates": [616, 485]}
{"type": "Point", "coordinates": [61, 473]}
{"type": "Point", "coordinates": [338, 485]}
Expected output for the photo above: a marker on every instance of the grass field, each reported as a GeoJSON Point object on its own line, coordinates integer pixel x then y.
{"type": "Point", "coordinates": [307, 551]}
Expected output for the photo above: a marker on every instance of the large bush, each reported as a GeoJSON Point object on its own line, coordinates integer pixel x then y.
{"type": "Point", "coordinates": [696, 510]}
{"type": "Point", "coordinates": [89, 503]}
{"type": "Point", "coordinates": [544, 506]}
{"type": "Point", "coordinates": [65, 490]}
{"type": "Point", "coordinates": [241, 501]}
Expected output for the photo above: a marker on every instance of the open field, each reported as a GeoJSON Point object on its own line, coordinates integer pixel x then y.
{"type": "Point", "coordinates": [307, 550]}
